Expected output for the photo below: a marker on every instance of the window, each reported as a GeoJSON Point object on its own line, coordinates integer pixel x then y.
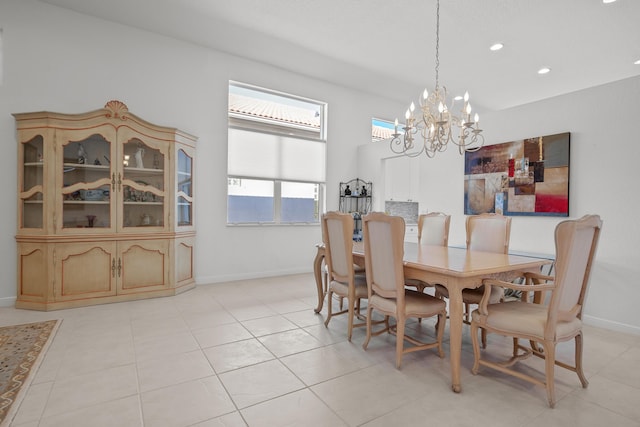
{"type": "Point", "coordinates": [381, 129]}
{"type": "Point", "coordinates": [276, 157]}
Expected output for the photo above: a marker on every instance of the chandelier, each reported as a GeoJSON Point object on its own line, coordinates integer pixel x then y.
{"type": "Point", "coordinates": [436, 125]}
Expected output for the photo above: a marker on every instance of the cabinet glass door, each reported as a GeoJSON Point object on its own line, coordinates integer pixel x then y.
{"type": "Point", "coordinates": [184, 195]}
{"type": "Point", "coordinates": [143, 186]}
{"type": "Point", "coordinates": [31, 187]}
{"type": "Point", "coordinates": [87, 183]}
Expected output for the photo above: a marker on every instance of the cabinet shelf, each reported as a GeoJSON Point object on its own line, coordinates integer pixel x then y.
{"type": "Point", "coordinates": [143, 171]}
{"type": "Point", "coordinates": [144, 203]}
{"type": "Point", "coordinates": [86, 202]}
{"type": "Point", "coordinates": [68, 167]}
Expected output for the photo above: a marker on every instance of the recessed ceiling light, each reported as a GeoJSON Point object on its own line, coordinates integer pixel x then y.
{"type": "Point", "coordinates": [637, 62]}
{"type": "Point", "coordinates": [496, 46]}
{"type": "Point", "coordinates": [608, 1]}
{"type": "Point", "coordinates": [544, 70]}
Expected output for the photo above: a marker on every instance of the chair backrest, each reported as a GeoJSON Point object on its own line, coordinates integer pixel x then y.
{"type": "Point", "coordinates": [383, 255]}
{"type": "Point", "coordinates": [433, 229]}
{"type": "Point", "coordinates": [576, 243]}
{"type": "Point", "coordinates": [337, 236]}
{"type": "Point", "coordinates": [488, 232]}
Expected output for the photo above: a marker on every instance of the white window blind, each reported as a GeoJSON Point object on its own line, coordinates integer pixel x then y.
{"type": "Point", "coordinates": [263, 155]}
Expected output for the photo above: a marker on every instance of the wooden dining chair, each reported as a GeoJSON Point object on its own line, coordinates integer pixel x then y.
{"type": "Point", "coordinates": [384, 267]}
{"type": "Point", "coordinates": [433, 229]}
{"type": "Point", "coordinates": [545, 323]}
{"type": "Point", "coordinates": [337, 236]}
{"type": "Point", "coordinates": [486, 232]}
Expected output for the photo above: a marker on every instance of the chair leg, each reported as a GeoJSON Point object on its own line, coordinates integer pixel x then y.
{"type": "Point", "coordinates": [484, 338]}
{"type": "Point", "coordinates": [400, 322]}
{"type": "Point", "coordinates": [578, 355]}
{"type": "Point", "coordinates": [351, 314]}
{"type": "Point", "coordinates": [476, 348]}
{"type": "Point", "coordinates": [366, 340]}
{"type": "Point", "coordinates": [442, 319]}
{"type": "Point", "coordinates": [550, 364]}
{"type": "Point", "coordinates": [329, 305]}
{"type": "Point", "coordinates": [325, 284]}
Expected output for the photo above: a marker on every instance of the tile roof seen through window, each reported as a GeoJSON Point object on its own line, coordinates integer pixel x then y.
{"type": "Point", "coordinates": [269, 110]}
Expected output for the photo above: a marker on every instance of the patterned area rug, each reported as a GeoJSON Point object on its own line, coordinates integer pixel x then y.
{"type": "Point", "coordinates": [22, 348]}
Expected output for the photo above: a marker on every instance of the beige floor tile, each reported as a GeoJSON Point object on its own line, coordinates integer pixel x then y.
{"type": "Point", "coordinates": [369, 393]}
{"type": "Point", "coordinates": [81, 391]}
{"type": "Point", "coordinates": [221, 334]}
{"type": "Point", "coordinates": [229, 420]}
{"type": "Point", "coordinates": [572, 411]}
{"type": "Point", "coordinates": [33, 404]}
{"type": "Point", "coordinates": [289, 342]}
{"type": "Point", "coordinates": [121, 412]}
{"type": "Point", "coordinates": [268, 325]}
{"type": "Point", "coordinates": [258, 383]}
{"type": "Point", "coordinates": [173, 369]}
{"type": "Point", "coordinates": [300, 408]}
{"type": "Point", "coordinates": [305, 318]}
{"type": "Point", "coordinates": [327, 335]}
{"type": "Point", "coordinates": [625, 369]}
{"type": "Point", "coordinates": [615, 396]}
{"type": "Point", "coordinates": [247, 312]}
{"type": "Point", "coordinates": [152, 327]}
{"type": "Point", "coordinates": [236, 355]}
{"type": "Point", "coordinates": [324, 363]}
{"type": "Point", "coordinates": [202, 320]}
{"type": "Point", "coordinates": [284, 306]}
{"type": "Point", "coordinates": [96, 354]}
{"type": "Point", "coordinates": [150, 348]}
{"type": "Point", "coordinates": [186, 403]}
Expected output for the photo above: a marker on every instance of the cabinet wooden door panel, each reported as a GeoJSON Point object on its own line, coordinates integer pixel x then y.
{"type": "Point", "coordinates": [144, 266]}
{"type": "Point", "coordinates": [85, 270]}
{"type": "Point", "coordinates": [33, 272]}
{"type": "Point", "coordinates": [184, 261]}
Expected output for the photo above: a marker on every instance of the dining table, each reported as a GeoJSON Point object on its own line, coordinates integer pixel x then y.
{"type": "Point", "coordinates": [456, 268]}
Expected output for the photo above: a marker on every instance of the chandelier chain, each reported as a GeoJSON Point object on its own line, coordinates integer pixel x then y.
{"type": "Point", "coordinates": [437, 43]}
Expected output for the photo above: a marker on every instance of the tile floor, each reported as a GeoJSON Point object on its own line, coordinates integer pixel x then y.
{"type": "Point", "coordinates": [253, 353]}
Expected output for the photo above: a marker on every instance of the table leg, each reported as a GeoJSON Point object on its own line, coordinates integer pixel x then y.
{"type": "Point", "coordinates": [317, 273]}
{"type": "Point", "coordinates": [455, 335]}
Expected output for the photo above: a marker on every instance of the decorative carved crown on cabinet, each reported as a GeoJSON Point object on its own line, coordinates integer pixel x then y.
{"type": "Point", "coordinates": [105, 208]}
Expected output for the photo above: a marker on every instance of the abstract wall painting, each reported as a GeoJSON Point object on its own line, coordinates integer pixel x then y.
{"type": "Point", "coordinates": [526, 177]}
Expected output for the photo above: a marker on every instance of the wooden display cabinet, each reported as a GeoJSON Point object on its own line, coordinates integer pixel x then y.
{"type": "Point", "coordinates": [105, 208]}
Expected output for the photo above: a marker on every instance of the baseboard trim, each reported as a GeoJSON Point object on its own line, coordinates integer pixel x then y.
{"type": "Point", "coordinates": [611, 325]}
{"type": "Point", "coordinates": [8, 302]}
{"type": "Point", "coordinates": [248, 276]}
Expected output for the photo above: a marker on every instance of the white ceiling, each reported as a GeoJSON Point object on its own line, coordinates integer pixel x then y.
{"type": "Point", "coordinates": [388, 46]}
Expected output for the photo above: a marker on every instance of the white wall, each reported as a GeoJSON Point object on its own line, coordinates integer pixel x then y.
{"type": "Point", "coordinates": [61, 61]}
{"type": "Point", "coordinates": [603, 167]}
